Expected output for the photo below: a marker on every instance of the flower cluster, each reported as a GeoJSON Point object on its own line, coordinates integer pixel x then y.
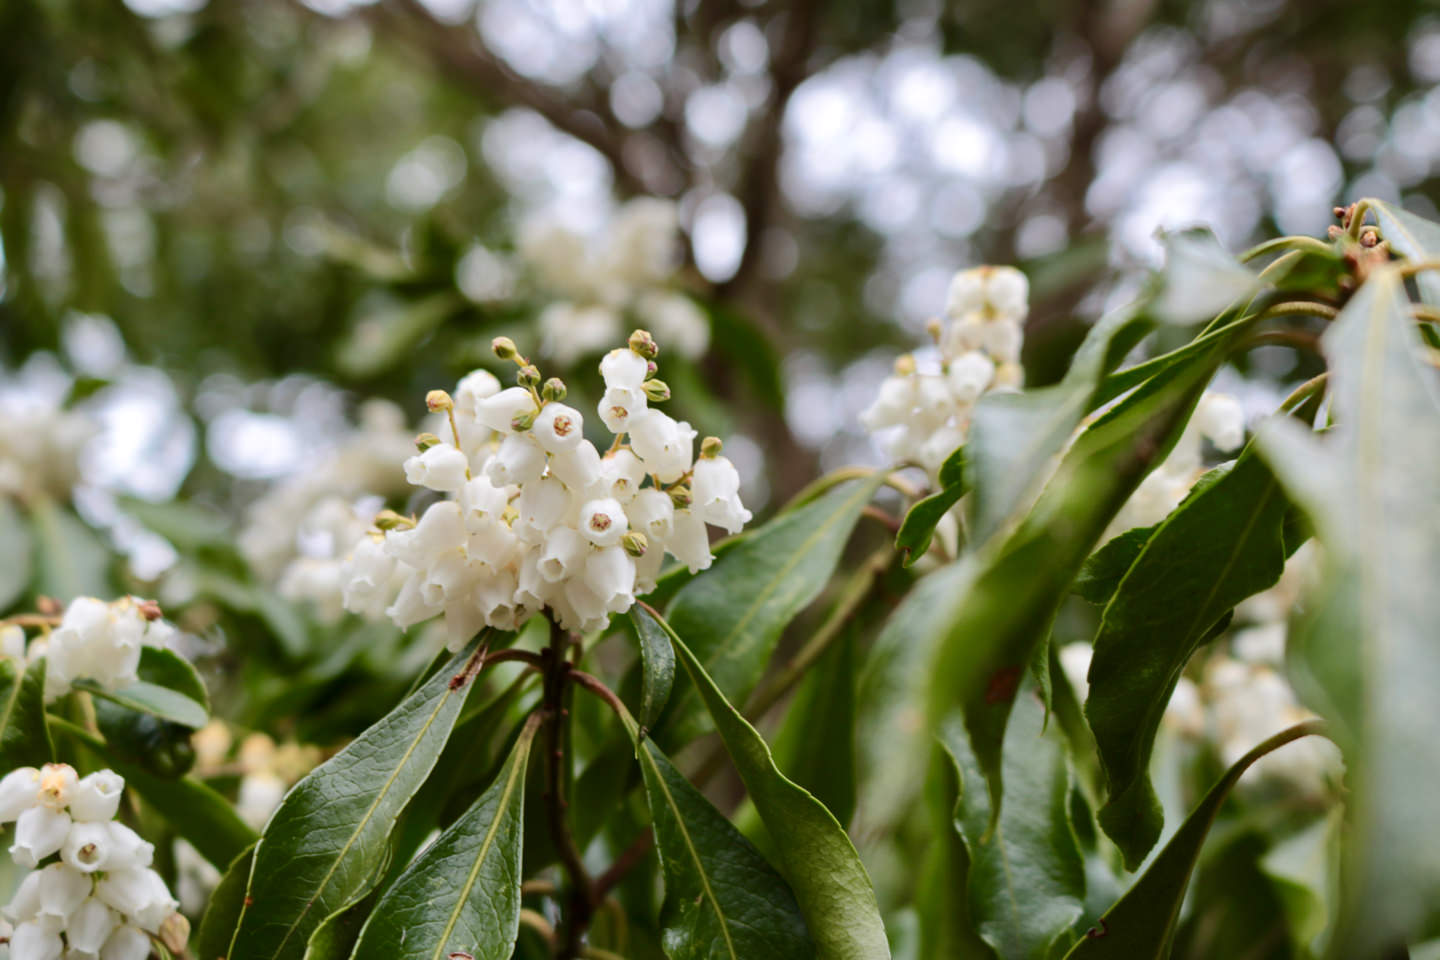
{"type": "Point", "coordinates": [927, 414]}
{"type": "Point", "coordinates": [95, 641]}
{"type": "Point", "coordinates": [1218, 418]}
{"type": "Point", "coordinates": [535, 517]}
{"type": "Point", "coordinates": [99, 900]}
{"type": "Point", "coordinates": [40, 444]}
{"type": "Point", "coordinates": [630, 268]}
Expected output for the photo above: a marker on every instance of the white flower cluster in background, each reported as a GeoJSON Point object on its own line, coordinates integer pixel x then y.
{"type": "Point", "coordinates": [287, 521]}
{"type": "Point", "coordinates": [535, 517]}
{"type": "Point", "coordinates": [1219, 418]}
{"type": "Point", "coordinates": [630, 268]}
{"type": "Point", "coordinates": [40, 442]}
{"type": "Point", "coordinates": [325, 537]}
{"type": "Point", "coordinates": [95, 640]}
{"type": "Point", "coordinates": [925, 415]}
{"type": "Point", "coordinates": [90, 893]}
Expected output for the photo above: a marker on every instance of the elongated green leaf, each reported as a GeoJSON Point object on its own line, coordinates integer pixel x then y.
{"type": "Point", "coordinates": [918, 527]}
{"type": "Point", "coordinates": [816, 855]}
{"type": "Point", "coordinates": [462, 895]}
{"type": "Point", "coordinates": [166, 668]}
{"type": "Point", "coordinates": [1305, 870]}
{"type": "Point", "coordinates": [1200, 278]}
{"type": "Point", "coordinates": [657, 663]}
{"type": "Point", "coordinates": [222, 911]}
{"type": "Point", "coordinates": [1141, 924]}
{"type": "Point", "coordinates": [17, 547]}
{"type": "Point", "coordinates": [1014, 436]}
{"type": "Point", "coordinates": [24, 737]}
{"type": "Point", "coordinates": [735, 612]}
{"type": "Point", "coordinates": [336, 937]}
{"type": "Point", "coordinates": [1223, 544]}
{"type": "Point", "coordinates": [1026, 876]}
{"type": "Point", "coordinates": [1006, 594]}
{"type": "Point", "coordinates": [73, 562]}
{"type": "Point", "coordinates": [197, 813]}
{"type": "Point", "coordinates": [722, 900]}
{"type": "Point", "coordinates": [324, 847]}
{"type": "Point", "coordinates": [947, 930]}
{"type": "Point", "coordinates": [152, 699]}
{"type": "Point", "coordinates": [816, 745]}
{"type": "Point", "coordinates": [1365, 654]}
{"type": "Point", "coordinates": [1414, 238]}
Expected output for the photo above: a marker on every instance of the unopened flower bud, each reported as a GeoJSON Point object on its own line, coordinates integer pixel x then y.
{"type": "Point", "coordinates": [504, 348]}
{"type": "Point", "coordinates": [390, 520]}
{"type": "Point", "coordinates": [437, 400]}
{"type": "Point", "coordinates": [523, 421]}
{"type": "Point", "coordinates": [150, 610]}
{"type": "Point", "coordinates": [656, 390]}
{"type": "Point", "coordinates": [932, 327]}
{"type": "Point", "coordinates": [644, 344]}
{"type": "Point", "coordinates": [680, 496]}
{"type": "Point", "coordinates": [904, 365]}
{"type": "Point", "coordinates": [47, 606]}
{"type": "Point", "coordinates": [528, 376]}
{"type": "Point", "coordinates": [554, 389]}
{"type": "Point", "coordinates": [711, 447]}
{"type": "Point", "coordinates": [634, 543]}
{"type": "Point", "coordinates": [175, 933]}
{"type": "Point", "coordinates": [425, 441]}
{"type": "Point", "coordinates": [651, 368]}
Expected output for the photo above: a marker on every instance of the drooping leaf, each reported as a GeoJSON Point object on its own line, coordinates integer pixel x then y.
{"type": "Point", "coordinates": [1364, 655]}
{"type": "Point", "coordinates": [1105, 568]}
{"type": "Point", "coordinates": [734, 614]}
{"type": "Point", "coordinates": [222, 911]}
{"type": "Point", "coordinates": [323, 849]}
{"type": "Point", "coordinates": [72, 561]}
{"type": "Point", "coordinates": [1026, 875]}
{"type": "Point", "coordinates": [17, 547]}
{"type": "Point", "coordinates": [816, 744]}
{"type": "Point", "coordinates": [1007, 593]}
{"type": "Point", "coordinates": [816, 855]}
{"type": "Point", "coordinates": [722, 900]}
{"type": "Point", "coordinates": [1141, 925]}
{"type": "Point", "coordinates": [657, 662]}
{"type": "Point", "coordinates": [197, 812]}
{"type": "Point", "coordinates": [24, 736]}
{"type": "Point", "coordinates": [462, 895]}
{"type": "Point", "coordinates": [1414, 238]}
{"type": "Point", "coordinates": [918, 527]}
{"type": "Point", "coordinates": [1223, 544]}
{"type": "Point", "coordinates": [152, 699]}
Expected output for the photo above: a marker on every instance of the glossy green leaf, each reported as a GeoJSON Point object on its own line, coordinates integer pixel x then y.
{"type": "Point", "coordinates": [1365, 656]}
{"type": "Point", "coordinates": [17, 547]}
{"type": "Point", "coordinates": [734, 612]}
{"type": "Point", "coordinates": [166, 668]}
{"type": "Point", "coordinates": [1141, 925]}
{"type": "Point", "coordinates": [1102, 572]}
{"type": "Point", "coordinates": [918, 527]}
{"type": "Point", "coordinates": [1026, 883]}
{"type": "Point", "coordinates": [197, 812]}
{"type": "Point", "coordinates": [722, 900]}
{"type": "Point", "coordinates": [336, 937]}
{"type": "Point", "coordinates": [1006, 595]}
{"type": "Point", "coordinates": [1223, 544]}
{"type": "Point", "coordinates": [815, 853]}
{"type": "Point", "coordinates": [462, 894]}
{"type": "Point", "coordinates": [1414, 238]}
{"type": "Point", "coordinates": [222, 910]}
{"type": "Point", "coordinates": [947, 930]}
{"type": "Point", "coordinates": [72, 560]}
{"type": "Point", "coordinates": [24, 736]}
{"type": "Point", "coordinates": [1014, 436]}
{"type": "Point", "coordinates": [815, 746]}
{"type": "Point", "coordinates": [323, 849]}
{"type": "Point", "coordinates": [153, 699]}
{"type": "Point", "coordinates": [657, 662]}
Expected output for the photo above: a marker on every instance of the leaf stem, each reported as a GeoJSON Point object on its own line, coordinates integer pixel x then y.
{"type": "Point", "coordinates": [557, 671]}
{"type": "Point", "coordinates": [629, 858]}
{"type": "Point", "coordinates": [1296, 243]}
{"type": "Point", "coordinates": [1298, 308]}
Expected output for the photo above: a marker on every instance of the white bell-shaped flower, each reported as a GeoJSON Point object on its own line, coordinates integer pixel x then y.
{"type": "Point", "coordinates": [715, 489]}
{"type": "Point", "coordinates": [1002, 339]}
{"type": "Point", "coordinates": [603, 522]}
{"type": "Point", "coordinates": [610, 573]}
{"type": "Point", "coordinates": [563, 553]}
{"type": "Point", "coordinates": [96, 796]}
{"type": "Point", "coordinates": [60, 891]}
{"type": "Point", "coordinates": [590, 609]}
{"type": "Point", "coordinates": [966, 293]}
{"type": "Point", "coordinates": [483, 500]}
{"type": "Point", "coordinates": [126, 943]}
{"type": "Point", "coordinates": [621, 474]}
{"type": "Point", "coordinates": [893, 405]}
{"type": "Point", "coordinates": [87, 846]}
{"type": "Point", "coordinates": [558, 428]}
{"type": "Point", "coordinates": [440, 529]}
{"type": "Point", "coordinates": [518, 460]}
{"type": "Point", "coordinates": [475, 386]}
{"type": "Point", "coordinates": [367, 575]}
{"type": "Point", "coordinates": [969, 375]}
{"type": "Point", "coordinates": [19, 791]}
{"type": "Point", "coordinates": [36, 941]}
{"type": "Point", "coordinates": [39, 832]}
{"type": "Point", "coordinates": [1007, 292]}
{"type": "Point", "coordinates": [623, 368]}
{"type": "Point", "coordinates": [690, 543]}
{"type": "Point", "coordinates": [498, 411]}
{"type": "Point", "coordinates": [128, 850]}
{"type": "Point", "coordinates": [1221, 420]}
{"type": "Point", "coordinates": [664, 445]}
{"type": "Point", "coordinates": [90, 926]}
{"type": "Point", "coordinates": [543, 504]}
{"type": "Point", "coordinates": [620, 405]}
{"type": "Point", "coordinates": [25, 903]}
{"type": "Point", "coordinates": [441, 467]}
{"type": "Point", "coordinates": [578, 468]}
{"type": "Point", "coordinates": [139, 894]}
{"type": "Point", "coordinates": [259, 796]}
{"type": "Point", "coordinates": [410, 606]}
{"type": "Point", "coordinates": [653, 514]}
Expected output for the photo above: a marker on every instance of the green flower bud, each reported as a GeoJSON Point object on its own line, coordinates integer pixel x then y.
{"type": "Point", "coordinates": [710, 447]}
{"type": "Point", "coordinates": [504, 348]}
{"type": "Point", "coordinates": [680, 496]}
{"type": "Point", "coordinates": [554, 389]}
{"type": "Point", "coordinates": [656, 390]}
{"type": "Point", "coordinates": [437, 400]}
{"type": "Point", "coordinates": [425, 441]}
{"type": "Point", "coordinates": [528, 376]}
{"type": "Point", "coordinates": [390, 520]}
{"type": "Point", "coordinates": [635, 543]}
{"type": "Point", "coordinates": [523, 421]}
{"type": "Point", "coordinates": [644, 344]}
